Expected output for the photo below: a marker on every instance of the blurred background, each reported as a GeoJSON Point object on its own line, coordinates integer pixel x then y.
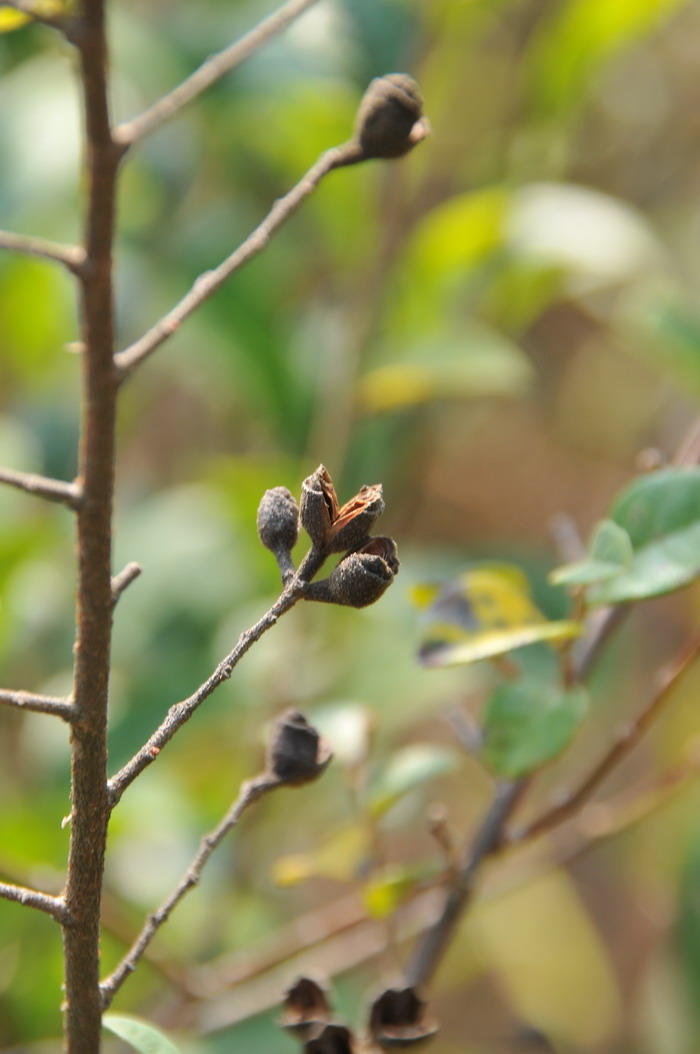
{"type": "Point", "coordinates": [501, 328]}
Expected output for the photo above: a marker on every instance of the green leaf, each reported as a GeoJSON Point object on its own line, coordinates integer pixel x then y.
{"type": "Point", "coordinates": [408, 769]}
{"type": "Point", "coordinates": [139, 1034]}
{"type": "Point", "coordinates": [661, 514]}
{"type": "Point", "coordinates": [486, 611]}
{"type": "Point", "coordinates": [527, 723]}
{"type": "Point", "coordinates": [610, 554]}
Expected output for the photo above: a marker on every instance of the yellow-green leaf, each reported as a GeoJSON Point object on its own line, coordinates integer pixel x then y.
{"type": "Point", "coordinates": [407, 769]}
{"type": "Point", "coordinates": [139, 1034]}
{"type": "Point", "coordinates": [486, 611]}
{"type": "Point", "coordinates": [11, 20]}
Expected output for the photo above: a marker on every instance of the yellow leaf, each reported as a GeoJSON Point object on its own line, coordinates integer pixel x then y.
{"type": "Point", "coordinates": [339, 858]}
{"type": "Point", "coordinates": [11, 20]}
{"type": "Point", "coordinates": [486, 611]}
{"type": "Point", "coordinates": [540, 943]}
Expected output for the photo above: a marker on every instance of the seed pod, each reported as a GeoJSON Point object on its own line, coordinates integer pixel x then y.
{"type": "Point", "coordinates": [390, 119]}
{"type": "Point", "coordinates": [278, 520]}
{"type": "Point", "coordinates": [319, 507]}
{"type": "Point", "coordinates": [356, 518]}
{"type": "Point", "coordinates": [297, 753]}
{"type": "Point", "coordinates": [306, 1008]}
{"type": "Point", "coordinates": [331, 1039]}
{"type": "Point", "coordinates": [397, 1019]}
{"type": "Point", "coordinates": [361, 577]}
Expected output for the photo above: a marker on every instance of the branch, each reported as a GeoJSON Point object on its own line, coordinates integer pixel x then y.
{"type": "Point", "coordinates": [69, 494]}
{"type": "Point", "coordinates": [250, 792]}
{"type": "Point", "coordinates": [208, 282]}
{"type": "Point", "coordinates": [39, 704]}
{"type": "Point", "coordinates": [32, 898]}
{"type": "Point", "coordinates": [182, 711]}
{"type": "Point", "coordinates": [71, 256]}
{"type": "Point", "coordinates": [215, 67]}
{"type": "Point", "coordinates": [94, 604]}
{"type": "Point", "coordinates": [619, 749]}
{"type": "Point", "coordinates": [124, 579]}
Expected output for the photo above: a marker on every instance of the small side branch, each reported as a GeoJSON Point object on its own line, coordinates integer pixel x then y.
{"type": "Point", "coordinates": [32, 898]}
{"type": "Point", "coordinates": [124, 579]}
{"type": "Point", "coordinates": [251, 791]}
{"type": "Point", "coordinates": [215, 67]}
{"type": "Point", "coordinates": [71, 256]}
{"type": "Point", "coordinates": [208, 283]}
{"type": "Point", "coordinates": [618, 750]}
{"type": "Point", "coordinates": [39, 704]}
{"type": "Point", "coordinates": [69, 494]}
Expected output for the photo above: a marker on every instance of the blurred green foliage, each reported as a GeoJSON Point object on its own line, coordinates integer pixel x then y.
{"type": "Point", "coordinates": [492, 327]}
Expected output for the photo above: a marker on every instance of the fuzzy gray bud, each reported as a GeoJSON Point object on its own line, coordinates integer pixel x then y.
{"type": "Point", "coordinates": [278, 520]}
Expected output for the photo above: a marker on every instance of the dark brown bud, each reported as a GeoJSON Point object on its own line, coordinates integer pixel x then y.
{"type": "Point", "coordinates": [297, 753]}
{"type": "Point", "coordinates": [397, 1019]}
{"type": "Point", "coordinates": [390, 119]}
{"type": "Point", "coordinates": [278, 520]}
{"type": "Point", "coordinates": [331, 528]}
{"type": "Point", "coordinates": [332, 1039]}
{"type": "Point", "coordinates": [306, 1008]}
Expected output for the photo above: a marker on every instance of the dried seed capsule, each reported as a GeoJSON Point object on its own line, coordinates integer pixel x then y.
{"type": "Point", "coordinates": [297, 753]}
{"type": "Point", "coordinates": [306, 1008]}
{"type": "Point", "coordinates": [355, 519]}
{"type": "Point", "coordinates": [331, 1039]}
{"type": "Point", "coordinates": [390, 119]}
{"type": "Point", "coordinates": [397, 1019]}
{"type": "Point", "coordinates": [278, 520]}
{"type": "Point", "coordinates": [361, 577]}
{"type": "Point", "coordinates": [319, 507]}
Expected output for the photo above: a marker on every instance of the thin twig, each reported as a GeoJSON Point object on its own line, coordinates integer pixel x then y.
{"type": "Point", "coordinates": [208, 282]}
{"type": "Point", "coordinates": [619, 749]}
{"type": "Point", "coordinates": [124, 579]}
{"type": "Point", "coordinates": [212, 70]}
{"type": "Point", "coordinates": [181, 712]}
{"type": "Point", "coordinates": [250, 792]}
{"type": "Point", "coordinates": [71, 256]}
{"type": "Point", "coordinates": [39, 704]}
{"type": "Point", "coordinates": [32, 898]}
{"type": "Point", "coordinates": [43, 487]}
